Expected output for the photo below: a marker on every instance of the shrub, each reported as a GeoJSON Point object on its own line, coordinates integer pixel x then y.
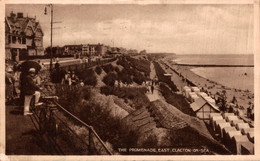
{"type": "Point", "coordinates": [109, 128]}
{"type": "Point", "coordinates": [88, 76]}
{"type": "Point", "coordinates": [136, 95]}
{"type": "Point", "coordinates": [117, 69]}
{"type": "Point", "coordinates": [176, 100]}
{"type": "Point", "coordinates": [140, 64]}
{"type": "Point", "coordinates": [108, 68]}
{"type": "Point", "coordinates": [124, 77]}
{"type": "Point", "coordinates": [109, 79]}
{"type": "Point", "coordinates": [139, 78]}
{"type": "Point", "coordinates": [98, 70]}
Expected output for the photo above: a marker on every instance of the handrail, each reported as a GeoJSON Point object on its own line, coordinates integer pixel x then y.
{"type": "Point", "coordinates": [88, 126]}
{"type": "Point", "coordinates": [76, 118]}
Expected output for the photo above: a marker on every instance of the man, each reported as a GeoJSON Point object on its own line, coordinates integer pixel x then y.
{"type": "Point", "coordinates": [30, 89]}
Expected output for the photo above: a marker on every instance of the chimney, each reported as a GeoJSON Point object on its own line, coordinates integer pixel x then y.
{"type": "Point", "coordinates": [13, 16]}
{"type": "Point", "coordinates": [19, 15]}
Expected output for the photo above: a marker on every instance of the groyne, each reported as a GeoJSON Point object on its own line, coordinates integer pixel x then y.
{"type": "Point", "coordinates": [213, 65]}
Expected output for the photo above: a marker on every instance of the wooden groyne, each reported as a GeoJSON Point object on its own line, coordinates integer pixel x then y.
{"type": "Point", "coordinates": [213, 65]}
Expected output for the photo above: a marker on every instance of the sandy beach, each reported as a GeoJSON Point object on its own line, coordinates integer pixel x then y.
{"type": "Point", "coordinates": [243, 97]}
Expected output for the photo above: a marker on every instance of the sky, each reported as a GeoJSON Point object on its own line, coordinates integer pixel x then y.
{"type": "Point", "coordinates": [171, 28]}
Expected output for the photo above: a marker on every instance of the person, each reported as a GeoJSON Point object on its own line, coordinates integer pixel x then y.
{"type": "Point", "coordinates": [9, 82]}
{"type": "Point", "coordinates": [30, 89]}
{"type": "Point", "coordinates": [81, 83]}
{"type": "Point", "coordinates": [249, 109]}
{"type": "Point", "coordinates": [57, 65]}
{"type": "Point", "coordinates": [152, 88]}
{"type": "Point", "coordinates": [41, 64]}
{"type": "Point", "coordinates": [67, 78]}
{"type": "Point", "coordinates": [74, 78]}
{"type": "Point", "coordinates": [16, 71]}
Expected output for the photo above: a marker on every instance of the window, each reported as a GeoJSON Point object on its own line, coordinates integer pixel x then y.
{"type": "Point", "coordinates": [13, 39]}
{"type": "Point", "coordinates": [23, 40]}
{"type": "Point", "coordinates": [19, 40]}
{"type": "Point", "coordinates": [9, 39]}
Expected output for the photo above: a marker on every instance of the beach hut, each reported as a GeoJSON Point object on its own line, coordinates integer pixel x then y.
{"type": "Point", "coordinates": [202, 94]}
{"type": "Point", "coordinates": [231, 118]}
{"type": "Point", "coordinates": [202, 108]}
{"type": "Point", "coordinates": [247, 148]}
{"type": "Point", "coordinates": [221, 126]}
{"type": "Point", "coordinates": [216, 124]}
{"type": "Point", "coordinates": [186, 92]}
{"type": "Point", "coordinates": [251, 136]}
{"type": "Point", "coordinates": [230, 135]}
{"type": "Point", "coordinates": [211, 116]}
{"type": "Point", "coordinates": [210, 100]}
{"type": "Point", "coordinates": [214, 119]}
{"type": "Point", "coordinates": [234, 122]}
{"type": "Point", "coordinates": [237, 142]}
{"type": "Point", "coordinates": [225, 115]}
{"type": "Point", "coordinates": [240, 126]}
{"type": "Point", "coordinates": [195, 89]}
{"type": "Point", "coordinates": [245, 131]}
{"type": "Point", "coordinates": [192, 96]}
{"type": "Point", "coordinates": [226, 139]}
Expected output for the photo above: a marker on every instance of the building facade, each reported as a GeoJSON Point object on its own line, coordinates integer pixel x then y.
{"type": "Point", "coordinates": [23, 37]}
{"type": "Point", "coordinates": [72, 49]}
{"type": "Point", "coordinates": [93, 50]}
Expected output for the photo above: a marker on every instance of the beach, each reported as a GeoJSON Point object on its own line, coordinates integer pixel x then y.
{"type": "Point", "coordinates": [243, 96]}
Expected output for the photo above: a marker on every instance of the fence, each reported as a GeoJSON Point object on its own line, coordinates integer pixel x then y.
{"type": "Point", "coordinates": [79, 64]}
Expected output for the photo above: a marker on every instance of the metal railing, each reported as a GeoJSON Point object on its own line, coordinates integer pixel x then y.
{"type": "Point", "coordinates": [71, 116]}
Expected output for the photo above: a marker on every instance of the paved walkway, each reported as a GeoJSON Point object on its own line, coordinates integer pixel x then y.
{"type": "Point", "coordinates": [155, 95]}
{"type": "Point", "coordinates": [21, 135]}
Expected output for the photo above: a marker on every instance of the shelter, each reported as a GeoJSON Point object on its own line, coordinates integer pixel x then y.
{"type": "Point", "coordinates": [203, 108]}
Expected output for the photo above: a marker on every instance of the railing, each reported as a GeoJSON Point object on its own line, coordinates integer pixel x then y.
{"type": "Point", "coordinates": [77, 64]}
{"type": "Point", "coordinates": [47, 123]}
{"type": "Point", "coordinates": [91, 129]}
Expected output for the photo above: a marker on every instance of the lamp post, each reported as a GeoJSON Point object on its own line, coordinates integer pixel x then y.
{"type": "Point", "coordinates": [45, 12]}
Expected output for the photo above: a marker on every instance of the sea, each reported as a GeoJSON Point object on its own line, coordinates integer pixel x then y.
{"type": "Point", "coordinates": [233, 77]}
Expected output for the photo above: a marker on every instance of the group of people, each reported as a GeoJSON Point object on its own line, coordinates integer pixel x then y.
{"type": "Point", "coordinates": [25, 83]}
{"type": "Point", "coordinates": [60, 76]}
{"type": "Point", "coordinates": [149, 85]}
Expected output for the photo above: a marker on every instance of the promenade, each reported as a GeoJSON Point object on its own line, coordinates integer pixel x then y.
{"type": "Point", "coordinates": [21, 134]}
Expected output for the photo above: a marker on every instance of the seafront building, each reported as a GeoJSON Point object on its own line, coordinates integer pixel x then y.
{"type": "Point", "coordinates": [23, 37]}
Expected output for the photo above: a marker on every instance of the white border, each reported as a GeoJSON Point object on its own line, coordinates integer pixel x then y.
{"type": "Point", "coordinates": [146, 157]}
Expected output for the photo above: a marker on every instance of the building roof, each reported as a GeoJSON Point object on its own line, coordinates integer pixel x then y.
{"type": "Point", "coordinates": [18, 25]}
{"type": "Point", "coordinates": [199, 103]}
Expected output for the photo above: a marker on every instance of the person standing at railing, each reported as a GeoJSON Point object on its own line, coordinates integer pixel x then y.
{"type": "Point", "coordinates": [30, 89]}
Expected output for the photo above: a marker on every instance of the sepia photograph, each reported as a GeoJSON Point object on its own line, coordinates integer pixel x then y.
{"type": "Point", "coordinates": [129, 79]}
